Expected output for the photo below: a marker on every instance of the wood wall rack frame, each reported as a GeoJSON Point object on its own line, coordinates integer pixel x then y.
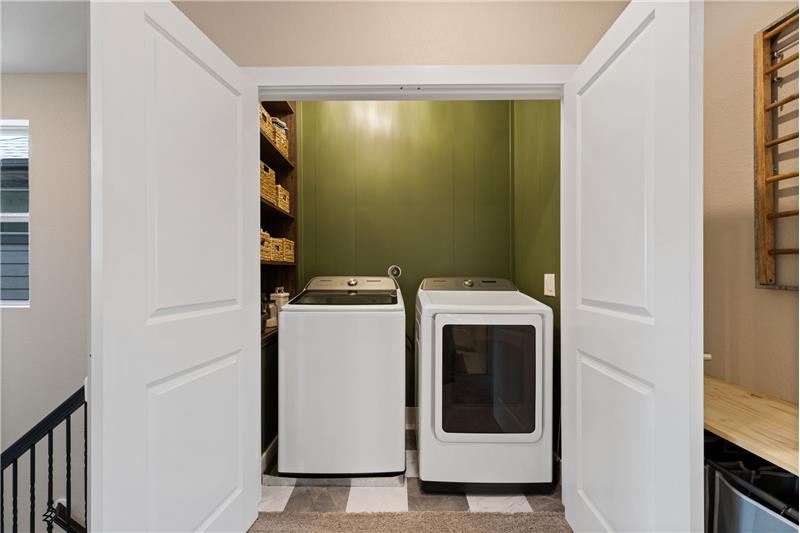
{"type": "Point", "coordinates": [769, 58]}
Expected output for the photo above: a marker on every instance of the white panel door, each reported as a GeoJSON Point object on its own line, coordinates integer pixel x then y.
{"type": "Point", "coordinates": [632, 276]}
{"type": "Point", "coordinates": [174, 390]}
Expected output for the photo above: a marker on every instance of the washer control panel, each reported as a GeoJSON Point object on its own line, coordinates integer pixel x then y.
{"type": "Point", "coordinates": [351, 283]}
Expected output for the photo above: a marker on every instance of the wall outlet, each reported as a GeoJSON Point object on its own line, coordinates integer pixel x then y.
{"type": "Point", "coordinates": [549, 284]}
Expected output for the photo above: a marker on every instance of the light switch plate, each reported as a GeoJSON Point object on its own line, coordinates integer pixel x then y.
{"type": "Point", "coordinates": [549, 284]}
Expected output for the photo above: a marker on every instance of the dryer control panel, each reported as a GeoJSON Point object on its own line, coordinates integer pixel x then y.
{"type": "Point", "coordinates": [467, 284]}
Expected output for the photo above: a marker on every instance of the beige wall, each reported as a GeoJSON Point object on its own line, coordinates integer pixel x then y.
{"type": "Point", "coordinates": [751, 333]}
{"type": "Point", "coordinates": [45, 347]}
{"type": "Point", "coordinates": [403, 33]}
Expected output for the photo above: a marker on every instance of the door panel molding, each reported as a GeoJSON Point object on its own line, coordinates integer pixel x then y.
{"type": "Point", "coordinates": [631, 318]}
{"type": "Point", "coordinates": [175, 276]}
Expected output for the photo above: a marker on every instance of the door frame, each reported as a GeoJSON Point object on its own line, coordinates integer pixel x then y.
{"type": "Point", "coordinates": [427, 82]}
{"type": "Point", "coordinates": [414, 82]}
{"type": "Point", "coordinates": [501, 82]}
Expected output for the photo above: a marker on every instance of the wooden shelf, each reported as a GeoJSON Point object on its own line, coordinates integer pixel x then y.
{"type": "Point", "coordinates": [268, 333]}
{"type": "Point", "coordinates": [274, 220]}
{"type": "Point", "coordinates": [273, 210]}
{"type": "Point", "coordinates": [278, 263]}
{"type": "Point", "coordinates": [278, 108]}
{"type": "Point", "coordinates": [272, 156]}
{"type": "Point", "coordinates": [760, 424]}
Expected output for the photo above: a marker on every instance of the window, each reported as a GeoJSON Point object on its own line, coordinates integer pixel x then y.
{"type": "Point", "coordinates": [14, 213]}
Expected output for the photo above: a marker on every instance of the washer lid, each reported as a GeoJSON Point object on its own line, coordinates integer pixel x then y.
{"type": "Point", "coordinates": [345, 298]}
{"type": "Point", "coordinates": [347, 290]}
{"type": "Point", "coordinates": [467, 284]}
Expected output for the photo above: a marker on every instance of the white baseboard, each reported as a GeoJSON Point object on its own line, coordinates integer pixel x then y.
{"type": "Point", "coordinates": [269, 455]}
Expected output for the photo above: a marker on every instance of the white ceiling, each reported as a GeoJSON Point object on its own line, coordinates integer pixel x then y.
{"type": "Point", "coordinates": [44, 36]}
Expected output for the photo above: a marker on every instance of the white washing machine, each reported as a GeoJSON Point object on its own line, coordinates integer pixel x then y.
{"type": "Point", "coordinates": [341, 378]}
{"type": "Point", "coordinates": [484, 383]}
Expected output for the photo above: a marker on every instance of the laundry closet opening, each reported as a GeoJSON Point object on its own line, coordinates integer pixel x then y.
{"type": "Point", "coordinates": [442, 188]}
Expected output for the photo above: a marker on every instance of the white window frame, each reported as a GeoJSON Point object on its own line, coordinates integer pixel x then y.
{"type": "Point", "coordinates": [23, 125]}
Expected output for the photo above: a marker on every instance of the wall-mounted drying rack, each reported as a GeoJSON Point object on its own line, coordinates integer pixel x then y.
{"type": "Point", "coordinates": [772, 64]}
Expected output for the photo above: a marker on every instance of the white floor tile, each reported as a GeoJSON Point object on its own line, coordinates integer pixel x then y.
{"type": "Point", "coordinates": [498, 503]}
{"type": "Point", "coordinates": [274, 498]}
{"type": "Point", "coordinates": [377, 500]}
{"type": "Point", "coordinates": [412, 463]}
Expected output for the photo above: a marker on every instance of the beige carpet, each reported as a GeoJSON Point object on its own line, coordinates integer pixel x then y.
{"type": "Point", "coordinates": [440, 522]}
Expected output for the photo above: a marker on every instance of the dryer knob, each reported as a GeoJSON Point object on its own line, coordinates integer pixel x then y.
{"type": "Point", "coordinates": [468, 283]}
{"type": "Point", "coordinates": [352, 282]}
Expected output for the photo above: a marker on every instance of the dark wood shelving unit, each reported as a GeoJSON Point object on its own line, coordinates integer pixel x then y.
{"type": "Point", "coordinates": [271, 210]}
{"type": "Point", "coordinates": [279, 108]}
{"type": "Point", "coordinates": [268, 333]}
{"type": "Point", "coordinates": [272, 156]}
{"type": "Point", "coordinates": [274, 220]}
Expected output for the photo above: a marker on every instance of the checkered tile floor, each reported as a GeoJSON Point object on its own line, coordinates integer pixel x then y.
{"type": "Point", "coordinates": [409, 497]}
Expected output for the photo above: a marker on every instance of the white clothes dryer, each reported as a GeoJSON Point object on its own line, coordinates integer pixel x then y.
{"type": "Point", "coordinates": [484, 383]}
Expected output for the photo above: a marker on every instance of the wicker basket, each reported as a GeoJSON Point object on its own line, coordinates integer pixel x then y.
{"type": "Point", "coordinates": [268, 190]}
{"type": "Point", "coordinates": [281, 139]}
{"type": "Point", "coordinates": [265, 249]}
{"type": "Point", "coordinates": [288, 250]}
{"type": "Point", "coordinates": [275, 249]}
{"type": "Point", "coordinates": [284, 200]}
{"type": "Point", "coordinates": [265, 122]}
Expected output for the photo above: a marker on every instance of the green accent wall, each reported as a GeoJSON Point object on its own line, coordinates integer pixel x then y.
{"type": "Point", "coordinates": [536, 234]}
{"type": "Point", "coordinates": [422, 184]}
{"type": "Point", "coordinates": [536, 186]}
{"type": "Point", "coordinates": [440, 188]}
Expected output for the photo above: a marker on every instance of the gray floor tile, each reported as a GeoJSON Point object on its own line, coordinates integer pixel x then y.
{"type": "Point", "coordinates": [547, 502]}
{"type": "Point", "coordinates": [423, 501]}
{"type": "Point", "coordinates": [323, 482]}
{"type": "Point", "coordinates": [540, 503]}
{"type": "Point", "coordinates": [318, 499]}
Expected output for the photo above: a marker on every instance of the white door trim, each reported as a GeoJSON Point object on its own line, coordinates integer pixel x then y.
{"type": "Point", "coordinates": [426, 82]}
{"type": "Point", "coordinates": [499, 82]}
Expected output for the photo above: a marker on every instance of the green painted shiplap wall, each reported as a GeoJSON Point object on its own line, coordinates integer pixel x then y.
{"type": "Point", "coordinates": [440, 188]}
{"type": "Point", "coordinates": [536, 134]}
{"type": "Point", "coordinates": [536, 126]}
{"type": "Point", "coordinates": [422, 184]}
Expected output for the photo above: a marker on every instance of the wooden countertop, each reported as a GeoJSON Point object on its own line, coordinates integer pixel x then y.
{"type": "Point", "coordinates": [760, 424]}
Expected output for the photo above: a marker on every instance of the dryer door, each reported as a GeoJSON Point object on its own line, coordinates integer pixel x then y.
{"type": "Point", "coordinates": [488, 373]}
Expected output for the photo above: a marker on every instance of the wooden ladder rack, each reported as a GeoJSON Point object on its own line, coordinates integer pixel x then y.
{"type": "Point", "coordinates": [768, 60]}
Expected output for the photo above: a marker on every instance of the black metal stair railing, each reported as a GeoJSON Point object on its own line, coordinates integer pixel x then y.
{"type": "Point", "coordinates": [60, 515]}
